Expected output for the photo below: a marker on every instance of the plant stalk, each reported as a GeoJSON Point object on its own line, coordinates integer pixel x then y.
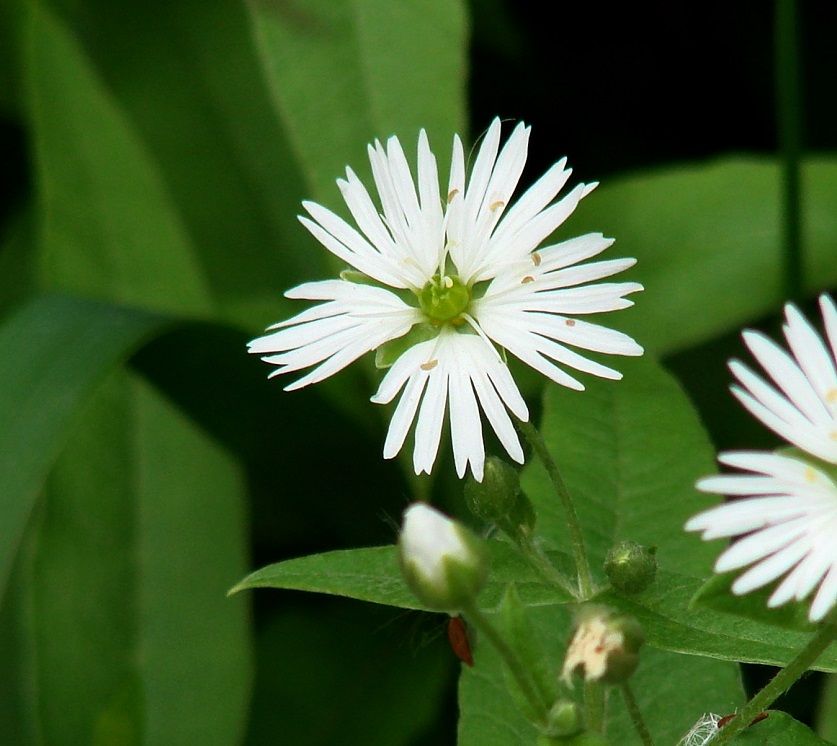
{"type": "Point", "coordinates": [636, 715]}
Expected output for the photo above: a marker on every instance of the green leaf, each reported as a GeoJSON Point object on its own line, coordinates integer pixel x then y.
{"type": "Point", "coordinates": [629, 452]}
{"type": "Point", "coordinates": [374, 575]}
{"type": "Point", "coordinates": [109, 228]}
{"type": "Point", "coordinates": [707, 243]}
{"type": "Point", "coordinates": [388, 675]}
{"type": "Point", "coordinates": [672, 691]}
{"type": "Point", "coordinates": [522, 637]}
{"type": "Point", "coordinates": [826, 719]}
{"type": "Point", "coordinates": [56, 351]}
{"type": "Point", "coordinates": [345, 72]}
{"type": "Point", "coordinates": [187, 78]}
{"type": "Point", "coordinates": [141, 532]}
{"type": "Point", "coordinates": [779, 729]}
{"type": "Point", "coordinates": [671, 622]}
{"type": "Point", "coordinates": [717, 594]}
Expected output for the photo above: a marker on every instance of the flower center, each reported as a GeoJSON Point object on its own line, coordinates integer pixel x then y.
{"type": "Point", "coordinates": [444, 298]}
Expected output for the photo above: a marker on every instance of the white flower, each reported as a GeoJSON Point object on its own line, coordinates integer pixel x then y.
{"type": "Point", "coordinates": [444, 285]}
{"type": "Point", "coordinates": [443, 563]}
{"type": "Point", "coordinates": [788, 519]}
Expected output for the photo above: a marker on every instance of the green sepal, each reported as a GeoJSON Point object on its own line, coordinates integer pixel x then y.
{"type": "Point", "coordinates": [717, 594]}
{"type": "Point", "coordinates": [389, 352]}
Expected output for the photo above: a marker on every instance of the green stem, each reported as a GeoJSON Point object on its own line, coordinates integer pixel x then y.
{"type": "Point", "coordinates": [789, 125]}
{"type": "Point", "coordinates": [594, 706]}
{"type": "Point", "coordinates": [780, 683]}
{"type": "Point", "coordinates": [585, 579]}
{"type": "Point", "coordinates": [513, 663]}
{"type": "Point", "coordinates": [636, 715]}
{"type": "Point", "coordinates": [534, 554]}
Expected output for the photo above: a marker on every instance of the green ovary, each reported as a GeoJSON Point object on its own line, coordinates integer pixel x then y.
{"type": "Point", "coordinates": [444, 299]}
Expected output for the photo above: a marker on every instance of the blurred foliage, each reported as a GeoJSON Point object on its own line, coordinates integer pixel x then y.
{"type": "Point", "coordinates": [154, 159]}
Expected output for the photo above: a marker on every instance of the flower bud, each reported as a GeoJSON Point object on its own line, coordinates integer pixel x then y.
{"type": "Point", "coordinates": [443, 562]}
{"type": "Point", "coordinates": [564, 719]}
{"type": "Point", "coordinates": [604, 646]}
{"type": "Point", "coordinates": [498, 499]}
{"type": "Point", "coordinates": [630, 567]}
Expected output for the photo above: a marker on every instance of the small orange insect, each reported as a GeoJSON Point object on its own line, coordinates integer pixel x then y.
{"type": "Point", "coordinates": [458, 636]}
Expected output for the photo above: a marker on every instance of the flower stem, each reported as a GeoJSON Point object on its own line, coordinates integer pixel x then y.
{"type": "Point", "coordinates": [513, 663]}
{"type": "Point", "coordinates": [636, 715]}
{"type": "Point", "coordinates": [780, 683]}
{"type": "Point", "coordinates": [789, 125]}
{"type": "Point", "coordinates": [585, 579]}
{"type": "Point", "coordinates": [541, 563]}
{"type": "Point", "coordinates": [594, 706]}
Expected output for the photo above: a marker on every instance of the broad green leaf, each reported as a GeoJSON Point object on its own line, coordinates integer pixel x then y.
{"type": "Point", "coordinates": [109, 228]}
{"type": "Point", "coordinates": [779, 729]}
{"type": "Point", "coordinates": [671, 622]}
{"type": "Point", "coordinates": [374, 575]}
{"type": "Point", "coordinates": [141, 533]}
{"type": "Point", "coordinates": [717, 594]}
{"type": "Point", "coordinates": [187, 77]}
{"type": "Point", "coordinates": [18, 271]}
{"type": "Point", "coordinates": [55, 352]}
{"type": "Point", "coordinates": [707, 241]}
{"type": "Point", "coordinates": [388, 675]}
{"type": "Point", "coordinates": [345, 72]}
{"type": "Point", "coordinates": [629, 452]}
{"type": "Point", "coordinates": [672, 690]}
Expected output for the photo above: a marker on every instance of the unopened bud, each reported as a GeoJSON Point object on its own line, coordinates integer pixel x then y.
{"type": "Point", "coordinates": [630, 567]}
{"type": "Point", "coordinates": [604, 646]}
{"type": "Point", "coordinates": [443, 562]}
{"type": "Point", "coordinates": [498, 499]}
{"type": "Point", "coordinates": [564, 719]}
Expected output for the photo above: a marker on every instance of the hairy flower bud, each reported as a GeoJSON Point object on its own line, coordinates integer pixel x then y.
{"type": "Point", "coordinates": [604, 646]}
{"type": "Point", "coordinates": [498, 499]}
{"type": "Point", "coordinates": [630, 567]}
{"type": "Point", "coordinates": [443, 562]}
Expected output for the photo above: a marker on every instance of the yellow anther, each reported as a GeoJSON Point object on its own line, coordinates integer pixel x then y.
{"type": "Point", "coordinates": [569, 322]}
{"type": "Point", "coordinates": [831, 396]}
{"type": "Point", "coordinates": [429, 365]}
{"type": "Point", "coordinates": [452, 194]}
{"type": "Point", "coordinates": [536, 260]}
{"type": "Point", "coordinates": [527, 279]}
{"type": "Point", "coordinates": [810, 475]}
{"type": "Point", "coordinates": [496, 205]}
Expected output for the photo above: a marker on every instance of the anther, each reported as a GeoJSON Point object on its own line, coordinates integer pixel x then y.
{"type": "Point", "coordinates": [527, 280]}
{"type": "Point", "coordinates": [569, 322]}
{"type": "Point", "coordinates": [429, 365]}
{"type": "Point", "coordinates": [536, 260]}
{"type": "Point", "coordinates": [452, 194]}
{"type": "Point", "coordinates": [496, 205]}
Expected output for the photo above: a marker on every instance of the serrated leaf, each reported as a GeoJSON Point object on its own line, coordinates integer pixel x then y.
{"type": "Point", "coordinates": [374, 575]}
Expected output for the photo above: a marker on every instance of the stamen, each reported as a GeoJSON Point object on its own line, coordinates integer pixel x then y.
{"type": "Point", "coordinates": [810, 475]}
{"type": "Point", "coordinates": [526, 280]}
{"type": "Point", "coordinates": [831, 396]}
{"type": "Point", "coordinates": [452, 194]}
{"type": "Point", "coordinates": [429, 365]}
{"type": "Point", "coordinates": [496, 205]}
{"type": "Point", "coordinates": [536, 259]}
{"type": "Point", "coordinates": [569, 322]}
